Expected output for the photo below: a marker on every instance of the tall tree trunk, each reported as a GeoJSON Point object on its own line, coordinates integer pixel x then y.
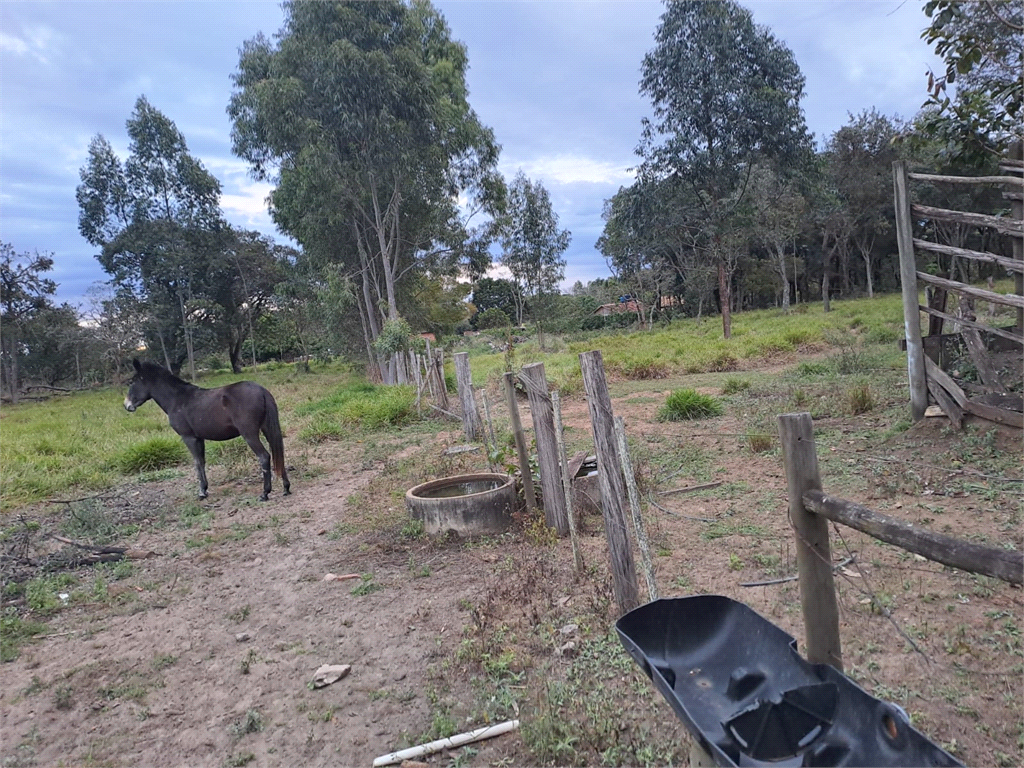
{"type": "Point", "coordinates": [780, 269]}
{"type": "Point", "coordinates": [725, 298]}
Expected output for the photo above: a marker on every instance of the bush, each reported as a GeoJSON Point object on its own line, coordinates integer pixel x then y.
{"type": "Point", "coordinates": [643, 368]}
{"type": "Point", "coordinates": [492, 318]}
{"type": "Point", "coordinates": [734, 384]}
{"type": "Point", "coordinates": [685, 404]}
{"type": "Point", "coordinates": [154, 453]}
{"type": "Point", "coordinates": [861, 400]}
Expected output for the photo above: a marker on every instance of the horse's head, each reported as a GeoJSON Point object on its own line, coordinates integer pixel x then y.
{"type": "Point", "coordinates": [138, 388]}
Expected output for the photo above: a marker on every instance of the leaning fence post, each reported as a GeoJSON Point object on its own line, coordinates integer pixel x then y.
{"type": "Point", "coordinates": [547, 449]}
{"type": "Point", "coordinates": [464, 380]}
{"type": "Point", "coordinates": [908, 284]}
{"type": "Point", "coordinates": [813, 553]}
{"type": "Point", "coordinates": [634, 507]}
{"type": "Point", "coordinates": [525, 471]}
{"type": "Point", "coordinates": [563, 462]}
{"type": "Point", "coordinates": [609, 477]}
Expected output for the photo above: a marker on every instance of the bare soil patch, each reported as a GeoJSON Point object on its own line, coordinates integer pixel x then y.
{"type": "Point", "coordinates": [203, 655]}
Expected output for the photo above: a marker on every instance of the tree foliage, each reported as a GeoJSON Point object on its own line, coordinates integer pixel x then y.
{"type": "Point", "coordinates": [725, 94]}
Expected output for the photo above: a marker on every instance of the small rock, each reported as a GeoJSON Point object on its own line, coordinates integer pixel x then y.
{"type": "Point", "coordinates": [242, 637]}
{"type": "Point", "coordinates": [566, 650]}
{"type": "Point", "coordinates": [568, 629]}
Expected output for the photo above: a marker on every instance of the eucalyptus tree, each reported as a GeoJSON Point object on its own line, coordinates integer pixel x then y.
{"type": "Point", "coordinates": [156, 218]}
{"type": "Point", "coordinates": [24, 296]}
{"type": "Point", "coordinates": [725, 94]}
{"type": "Point", "coordinates": [860, 156]}
{"type": "Point", "coordinates": [777, 218]}
{"type": "Point", "coordinates": [359, 114]}
{"type": "Point", "coordinates": [532, 244]}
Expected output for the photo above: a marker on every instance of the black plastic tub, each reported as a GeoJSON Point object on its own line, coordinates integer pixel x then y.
{"type": "Point", "coordinates": [738, 684]}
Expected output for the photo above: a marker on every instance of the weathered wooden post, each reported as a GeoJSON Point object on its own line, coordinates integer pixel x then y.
{"type": "Point", "coordinates": [517, 430]}
{"type": "Point", "coordinates": [609, 476]}
{"type": "Point", "coordinates": [813, 553]}
{"type": "Point", "coordinates": [464, 379]}
{"type": "Point", "coordinates": [547, 447]}
{"type": "Point", "coordinates": [1015, 165]}
{"type": "Point", "coordinates": [908, 283]}
{"type": "Point", "coordinates": [634, 508]}
{"type": "Point", "coordinates": [563, 462]}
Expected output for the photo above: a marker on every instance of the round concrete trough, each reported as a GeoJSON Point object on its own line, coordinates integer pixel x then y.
{"type": "Point", "coordinates": [471, 505]}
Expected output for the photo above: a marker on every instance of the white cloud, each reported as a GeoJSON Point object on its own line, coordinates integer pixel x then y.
{"type": "Point", "coordinates": [38, 41]}
{"type": "Point", "coordinates": [572, 169]}
{"type": "Point", "coordinates": [13, 44]}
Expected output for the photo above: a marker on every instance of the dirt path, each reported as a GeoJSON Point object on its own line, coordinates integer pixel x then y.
{"type": "Point", "coordinates": [202, 656]}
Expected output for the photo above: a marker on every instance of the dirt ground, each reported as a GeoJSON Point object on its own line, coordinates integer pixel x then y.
{"type": "Point", "coordinates": [203, 654]}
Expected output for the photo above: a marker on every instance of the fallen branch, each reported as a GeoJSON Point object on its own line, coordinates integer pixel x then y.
{"type": "Point", "coordinates": [691, 488]}
{"type": "Point", "coordinates": [450, 743]}
{"type": "Point", "coordinates": [650, 498]}
{"type": "Point", "coordinates": [446, 413]}
{"type": "Point", "coordinates": [108, 554]}
{"type": "Point", "coordinates": [794, 577]}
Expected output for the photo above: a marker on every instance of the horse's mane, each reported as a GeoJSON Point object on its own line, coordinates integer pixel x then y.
{"type": "Point", "coordinates": [150, 371]}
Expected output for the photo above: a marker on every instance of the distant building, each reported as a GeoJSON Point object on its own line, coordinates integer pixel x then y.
{"type": "Point", "coordinates": [628, 305]}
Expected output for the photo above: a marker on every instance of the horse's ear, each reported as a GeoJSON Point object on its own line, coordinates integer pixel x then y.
{"type": "Point", "coordinates": [137, 364]}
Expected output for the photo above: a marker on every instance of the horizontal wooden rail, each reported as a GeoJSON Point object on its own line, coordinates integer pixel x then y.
{"type": "Point", "coordinates": [996, 562]}
{"type": "Point", "coordinates": [985, 411]}
{"type": "Point", "coordinates": [968, 179]}
{"type": "Point", "coordinates": [1011, 265]}
{"type": "Point", "coordinates": [1006, 299]}
{"type": "Point", "coordinates": [972, 324]}
{"type": "Point", "coordinates": [1005, 226]}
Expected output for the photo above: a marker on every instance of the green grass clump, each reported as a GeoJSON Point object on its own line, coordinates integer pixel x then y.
{"type": "Point", "coordinates": [369, 406]}
{"type": "Point", "coordinates": [734, 384]}
{"type": "Point", "coordinates": [15, 632]}
{"type": "Point", "coordinates": [154, 453]}
{"type": "Point", "coordinates": [686, 404]}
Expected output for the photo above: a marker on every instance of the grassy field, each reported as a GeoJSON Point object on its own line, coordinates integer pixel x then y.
{"type": "Point", "coordinates": [86, 442]}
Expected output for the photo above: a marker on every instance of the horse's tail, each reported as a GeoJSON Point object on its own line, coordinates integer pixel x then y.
{"type": "Point", "coordinates": [272, 429]}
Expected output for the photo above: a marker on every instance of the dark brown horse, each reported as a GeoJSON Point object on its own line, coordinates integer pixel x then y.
{"type": "Point", "coordinates": [243, 408]}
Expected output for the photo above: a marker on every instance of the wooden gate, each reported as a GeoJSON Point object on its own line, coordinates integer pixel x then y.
{"type": "Point", "coordinates": [990, 399]}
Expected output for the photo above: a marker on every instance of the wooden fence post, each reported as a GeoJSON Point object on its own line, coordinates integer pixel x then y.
{"type": "Point", "coordinates": [563, 462]}
{"type": "Point", "coordinates": [525, 471]}
{"type": "Point", "coordinates": [609, 476]}
{"type": "Point", "coordinates": [1017, 207]}
{"type": "Point", "coordinates": [813, 553]}
{"type": "Point", "coordinates": [547, 447]}
{"type": "Point", "coordinates": [634, 508]}
{"type": "Point", "coordinates": [908, 283]}
{"type": "Point", "coordinates": [464, 379]}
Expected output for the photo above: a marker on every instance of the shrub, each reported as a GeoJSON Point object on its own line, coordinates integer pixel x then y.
{"type": "Point", "coordinates": [643, 368]}
{"type": "Point", "coordinates": [492, 318]}
{"type": "Point", "coordinates": [154, 453]}
{"type": "Point", "coordinates": [861, 400]}
{"type": "Point", "coordinates": [685, 404]}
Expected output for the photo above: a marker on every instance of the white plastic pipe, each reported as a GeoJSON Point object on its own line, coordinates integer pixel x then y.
{"type": "Point", "coordinates": [450, 743]}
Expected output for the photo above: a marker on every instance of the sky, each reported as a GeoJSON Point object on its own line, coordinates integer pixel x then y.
{"type": "Point", "coordinates": [556, 81]}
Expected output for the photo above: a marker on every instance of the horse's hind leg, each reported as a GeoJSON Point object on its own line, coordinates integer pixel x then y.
{"type": "Point", "coordinates": [254, 442]}
{"type": "Point", "coordinates": [198, 450]}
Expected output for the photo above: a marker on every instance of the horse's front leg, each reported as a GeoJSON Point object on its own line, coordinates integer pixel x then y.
{"type": "Point", "coordinates": [197, 448]}
{"type": "Point", "coordinates": [256, 444]}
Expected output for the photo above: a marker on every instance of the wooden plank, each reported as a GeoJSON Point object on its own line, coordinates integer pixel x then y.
{"type": "Point", "coordinates": [947, 383]}
{"type": "Point", "coordinates": [982, 360]}
{"type": "Point", "coordinates": [464, 379]}
{"type": "Point", "coordinates": [953, 411]}
{"type": "Point", "coordinates": [1005, 226]}
{"type": "Point", "coordinates": [908, 286]}
{"type": "Point", "coordinates": [1012, 180]}
{"type": "Point", "coordinates": [972, 324]}
{"type": "Point", "coordinates": [996, 562]}
{"type": "Point", "coordinates": [576, 462]}
{"type": "Point", "coordinates": [1006, 299]}
{"type": "Point", "coordinates": [813, 553]}
{"type": "Point", "coordinates": [550, 466]}
{"type": "Point", "coordinates": [937, 301]}
{"type": "Point", "coordinates": [577, 554]}
{"type": "Point", "coordinates": [525, 471]}
{"type": "Point", "coordinates": [1011, 265]}
{"type": "Point", "coordinates": [998, 415]}
{"type": "Point", "coordinates": [1014, 195]}
{"type": "Point", "coordinates": [609, 477]}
